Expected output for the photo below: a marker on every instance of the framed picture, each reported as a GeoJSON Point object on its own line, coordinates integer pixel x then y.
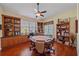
{"type": "Point", "coordinates": [76, 26]}
{"type": "Point", "coordinates": [0, 26]}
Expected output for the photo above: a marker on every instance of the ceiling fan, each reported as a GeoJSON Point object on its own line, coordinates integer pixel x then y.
{"type": "Point", "coordinates": [39, 13]}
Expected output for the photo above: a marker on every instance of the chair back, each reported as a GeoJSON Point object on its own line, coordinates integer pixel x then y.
{"type": "Point", "coordinates": [39, 45]}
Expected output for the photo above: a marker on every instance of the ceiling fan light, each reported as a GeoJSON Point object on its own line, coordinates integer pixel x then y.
{"type": "Point", "coordinates": [38, 14]}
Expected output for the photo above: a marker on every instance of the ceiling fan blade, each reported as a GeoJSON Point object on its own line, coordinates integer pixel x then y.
{"type": "Point", "coordinates": [43, 11]}
{"type": "Point", "coordinates": [42, 15]}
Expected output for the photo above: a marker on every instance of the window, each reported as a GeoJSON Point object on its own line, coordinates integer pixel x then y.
{"type": "Point", "coordinates": [48, 29]}
{"type": "Point", "coordinates": [32, 27]}
{"type": "Point", "coordinates": [28, 27]}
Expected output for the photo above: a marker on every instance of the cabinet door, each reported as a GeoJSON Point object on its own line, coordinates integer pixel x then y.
{"type": "Point", "coordinates": [9, 42]}
{"type": "Point", "coordinates": [4, 43]}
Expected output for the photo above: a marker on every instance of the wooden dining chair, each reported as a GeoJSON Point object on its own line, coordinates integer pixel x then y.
{"type": "Point", "coordinates": [32, 45]}
{"type": "Point", "coordinates": [39, 45]}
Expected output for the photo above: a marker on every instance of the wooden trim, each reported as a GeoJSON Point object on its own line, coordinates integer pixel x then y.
{"type": "Point", "coordinates": [10, 16]}
{"type": "Point", "coordinates": [76, 26]}
{"type": "Point", "coordinates": [47, 23]}
{"type": "Point", "coordinates": [2, 25]}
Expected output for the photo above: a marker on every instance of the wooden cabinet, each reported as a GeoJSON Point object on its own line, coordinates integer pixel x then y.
{"type": "Point", "coordinates": [11, 32]}
{"type": "Point", "coordinates": [11, 41]}
{"type": "Point", "coordinates": [10, 26]}
{"type": "Point", "coordinates": [40, 27]}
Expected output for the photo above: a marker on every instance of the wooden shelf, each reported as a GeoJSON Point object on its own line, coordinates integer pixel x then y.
{"type": "Point", "coordinates": [63, 31]}
{"type": "Point", "coordinates": [9, 25]}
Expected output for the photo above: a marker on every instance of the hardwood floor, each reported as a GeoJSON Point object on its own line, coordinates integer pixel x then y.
{"type": "Point", "coordinates": [23, 50]}
{"type": "Point", "coordinates": [63, 50]}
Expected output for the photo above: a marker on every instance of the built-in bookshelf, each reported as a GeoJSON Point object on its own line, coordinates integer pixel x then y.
{"type": "Point", "coordinates": [16, 26]}
{"type": "Point", "coordinates": [63, 31]}
{"type": "Point", "coordinates": [10, 26]}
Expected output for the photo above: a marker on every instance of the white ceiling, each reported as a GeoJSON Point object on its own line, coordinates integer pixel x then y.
{"type": "Point", "coordinates": [27, 9]}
